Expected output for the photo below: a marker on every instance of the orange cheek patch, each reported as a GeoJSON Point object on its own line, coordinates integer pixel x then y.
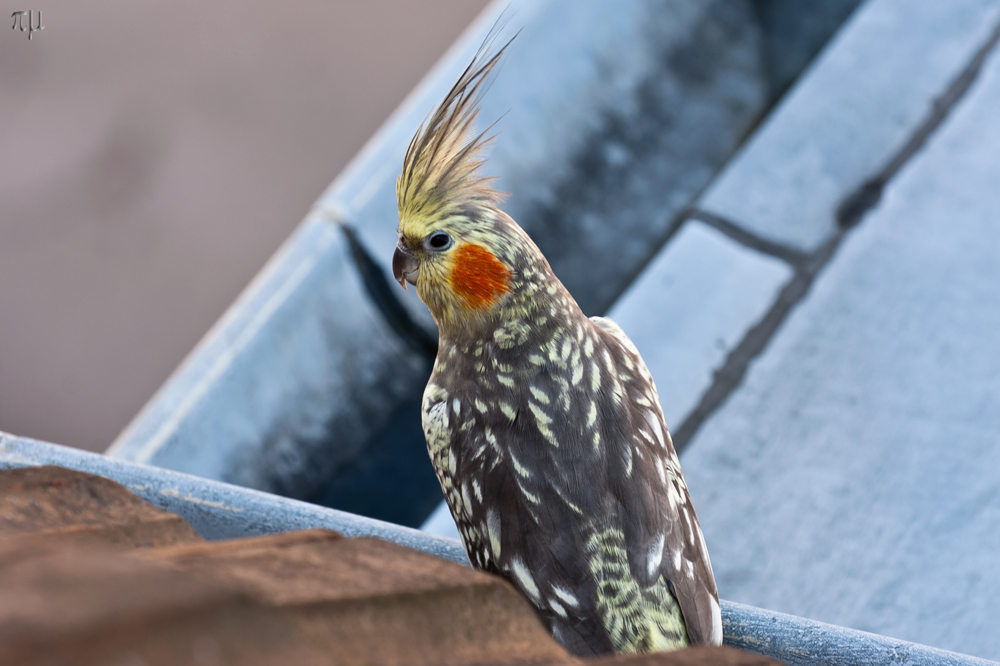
{"type": "Point", "coordinates": [478, 277]}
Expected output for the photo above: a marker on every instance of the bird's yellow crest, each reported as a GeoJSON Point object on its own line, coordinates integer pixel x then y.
{"type": "Point", "coordinates": [439, 176]}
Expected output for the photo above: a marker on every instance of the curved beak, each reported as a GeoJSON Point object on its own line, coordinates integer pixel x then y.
{"type": "Point", "coordinates": [404, 264]}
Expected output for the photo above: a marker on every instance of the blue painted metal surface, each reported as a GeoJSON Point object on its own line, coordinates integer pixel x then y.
{"type": "Point", "coordinates": [220, 511]}
{"type": "Point", "coordinates": [801, 642]}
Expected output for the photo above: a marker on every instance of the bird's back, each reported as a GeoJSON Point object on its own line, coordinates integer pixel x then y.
{"type": "Point", "coordinates": [560, 474]}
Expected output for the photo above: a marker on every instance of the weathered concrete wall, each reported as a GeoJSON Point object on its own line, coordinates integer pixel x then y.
{"type": "Point", "coordinates": [855, 477]}
{"type": "Point", "coordinates": [861, 102]}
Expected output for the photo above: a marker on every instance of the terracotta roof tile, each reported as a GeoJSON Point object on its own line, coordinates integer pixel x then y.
{"type": "Point", "coordinates": [86, 607]}
{"type": "Point", "coordinates": [370, 600]}
{"type": "Point", "coordinates": [66, 506]}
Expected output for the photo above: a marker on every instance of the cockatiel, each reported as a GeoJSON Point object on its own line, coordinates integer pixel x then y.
{"type": "Point", "coordinates": [544, 426]}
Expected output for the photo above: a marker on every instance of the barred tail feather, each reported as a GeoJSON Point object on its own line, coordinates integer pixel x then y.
{"type": "Point", "coordinates": [637, 619]}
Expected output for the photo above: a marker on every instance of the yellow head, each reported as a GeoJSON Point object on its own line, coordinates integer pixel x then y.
{"type": "Point", "coordinates": [454, 244]}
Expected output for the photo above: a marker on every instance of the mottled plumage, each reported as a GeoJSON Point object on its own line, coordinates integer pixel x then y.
{"type": "Point", "coordinates": [544, 426]}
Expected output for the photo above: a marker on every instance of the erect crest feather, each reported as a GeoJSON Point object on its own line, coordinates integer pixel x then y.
{"type": "Point", "coordinates": [441, 163]}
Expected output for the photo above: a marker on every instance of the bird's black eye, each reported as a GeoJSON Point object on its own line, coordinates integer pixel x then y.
{"type": "Point", "coordinates": [438, 241]}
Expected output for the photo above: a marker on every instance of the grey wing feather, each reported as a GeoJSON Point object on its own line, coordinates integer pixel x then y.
{"type": "Point", "coordinates": [684, 559]}
{"type": "Point", "coordinates": [542, 504]}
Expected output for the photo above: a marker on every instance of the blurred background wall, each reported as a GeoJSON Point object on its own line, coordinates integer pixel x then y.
{"type": "Point", "coordinates": [154, 155]}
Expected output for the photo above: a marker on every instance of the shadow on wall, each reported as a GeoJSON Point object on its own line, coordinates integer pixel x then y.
{"type": "Point", "coordinates": [794, 32]}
